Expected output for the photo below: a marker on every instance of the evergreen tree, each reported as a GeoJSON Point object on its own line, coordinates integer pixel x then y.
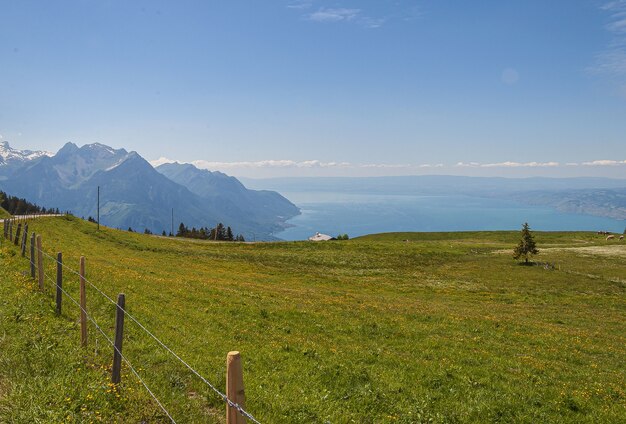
{"type": "Point", "coordinates": [20, 207]}
{"type": "Point", "coordinates": [182, 230]}
{"type": "Point", "coordinates": [526, 246]}
{"type": "Point", "coordinates": [164, 234]}
{"type": "Point", "coordinates": [130, 230]}
{"type": "Point", "coordinates": [220, 232]}
{"type": "Point", "coordinates": [17, 206]}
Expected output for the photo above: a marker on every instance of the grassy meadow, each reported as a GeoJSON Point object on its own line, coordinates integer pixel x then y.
{"type": "Point", "coordinates": [389, 328]}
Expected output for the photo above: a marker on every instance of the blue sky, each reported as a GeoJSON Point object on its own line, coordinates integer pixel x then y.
{"type": "Point", "coordinates": [307, 88]}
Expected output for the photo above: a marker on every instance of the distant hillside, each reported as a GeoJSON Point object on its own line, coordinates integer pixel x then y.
{"type": "Point", "coordinates": [431, 184]}
{"type": "Point", "coordinates": [133, 194]}
{"type": "Point", "coordinates": [221, 189]}
{"type": "Point", "coordinates": [604, 197]}
{"type": "Point", "coordinates": [610, 203]}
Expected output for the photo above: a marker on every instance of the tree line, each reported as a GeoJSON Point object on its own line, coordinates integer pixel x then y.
{"type": "Point", "coordinates": [220, 232]}
{"type": "Point", "coordinates": [19, 206]}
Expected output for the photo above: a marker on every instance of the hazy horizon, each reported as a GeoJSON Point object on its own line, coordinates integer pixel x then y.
{"type": "Point", "coordinates": [284, 169]}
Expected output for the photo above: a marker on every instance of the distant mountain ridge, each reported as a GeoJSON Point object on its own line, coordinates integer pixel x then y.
{"type": "Point", "coordinates": [610, 203]}
{"type": "Point", "coordinates": [220, 188]}
{"type": "Point", "coordinates": [12, 159]}
{"type": "Point", "coordinates": [604, 197]}
{"type": "Point", "coordinates": [431, 184]}
{"type": "Point", "coordinates": [133, 194]}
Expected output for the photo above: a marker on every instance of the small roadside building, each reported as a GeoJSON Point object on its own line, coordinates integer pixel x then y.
{"type": "Point", "coordinates": [321, 237]}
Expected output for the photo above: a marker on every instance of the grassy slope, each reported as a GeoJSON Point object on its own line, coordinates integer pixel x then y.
{"type": "Point", "coordinates": [443, 328]}
{"type": "Point", "coordinates": [4, 213]}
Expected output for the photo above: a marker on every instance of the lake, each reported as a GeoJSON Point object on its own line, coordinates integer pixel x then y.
{"type": "Point", "coordinates": [359, 214]}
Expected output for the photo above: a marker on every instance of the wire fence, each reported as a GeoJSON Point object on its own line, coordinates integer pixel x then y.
{"type": "Point", "coordinates": [108, 339]}
{"type": "Point", "coordinates": [53, 283]}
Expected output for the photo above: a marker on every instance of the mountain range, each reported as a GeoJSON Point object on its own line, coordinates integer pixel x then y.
{"type": "Point", "coordinates": [135, 194]}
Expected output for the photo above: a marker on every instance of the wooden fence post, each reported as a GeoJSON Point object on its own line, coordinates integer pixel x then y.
{"type": "Point", "coordinates": [11, 229]}
{"type": "Point", "coordinates": [234, 388]}
{"type": "Point", "coordinates": [40, 262]}
{"type": "Point", "coordinates": [5, 226]}
{"type": "Point", "coordinates": [17, 234]}
{"type": "Point", "coordinates": [59, 281]}
{"type": "Point", "coordinates": [32, 256]}
{"type": "Point", "coordinates": [116, 375]}
{"type": "Point", "coordinates": [83, 304]}
{"type": "Point", "coordinates": [24, 237]}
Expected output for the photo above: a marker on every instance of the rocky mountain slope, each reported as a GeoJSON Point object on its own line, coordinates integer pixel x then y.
{"type": "Point", "coordinates": [12, 159]}
{"type": "Point", "coordinates": [133, 194]}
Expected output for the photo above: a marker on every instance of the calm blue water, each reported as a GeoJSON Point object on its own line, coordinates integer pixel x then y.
{"type": "Point", "coordinates": [358, 214]}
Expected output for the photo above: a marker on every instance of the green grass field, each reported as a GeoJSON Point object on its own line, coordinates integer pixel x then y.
{"type": "Point", "coordinates": [442, 328]}
{"type": "Point", "coordinates": [4, 213]}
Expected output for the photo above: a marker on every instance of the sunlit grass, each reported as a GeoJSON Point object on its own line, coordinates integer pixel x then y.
{"type": "Point", "coordinates": [402, 327]}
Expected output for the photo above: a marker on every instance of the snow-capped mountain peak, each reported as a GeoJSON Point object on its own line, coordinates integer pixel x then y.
{"type": "Point", "coordinates": [9, 155]}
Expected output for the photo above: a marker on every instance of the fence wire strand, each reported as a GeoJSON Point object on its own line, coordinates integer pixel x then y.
{"type": "Point", "coordinates": [223, 396]}
{"type": "Point", "coordinates": [93, 321]}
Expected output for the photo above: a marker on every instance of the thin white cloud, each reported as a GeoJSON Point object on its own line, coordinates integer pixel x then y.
{"type": "Point", "coordinates": [317, 164]}
{"type": "Point", "coordinates": [290, 164]}
{"type": "Point", "coordinates": [612, 61]}
{"type": "Point", "coordinates": [605, 162]}
{"type": "Point", "coordinates": [269, 164]}
{"type": "Point", "coordinates": [334, 15]}
{"type": "Point", "coordinates": [618, 26]}
{"type": "Point", "coordinates": [383, 166]}
{"type": "Point", "coordinates": [369, 22]}
{"type": "Point", "coordinates": [300, 4]}
{"type": "Point", "coordinates": [286, 163]}
{"type": "Point", "coordinates": [161, 161]}
{"type": "Point", "coordinates": [507, 164]}
{"type": "Point", "coordinates": [337, 14]}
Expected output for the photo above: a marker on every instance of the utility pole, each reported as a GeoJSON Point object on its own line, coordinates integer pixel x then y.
{"type": "Point", "coordinates": [98, 208]}
{"type": "Point", "coordinates": [172, 230]}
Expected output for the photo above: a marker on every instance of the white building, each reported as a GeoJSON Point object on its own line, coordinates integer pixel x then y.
{"type": "Point", "coordinates": [321, 237]}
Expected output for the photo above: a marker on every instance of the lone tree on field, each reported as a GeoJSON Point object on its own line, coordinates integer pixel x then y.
{"type": "Point", "coordinates": [526, 246]}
